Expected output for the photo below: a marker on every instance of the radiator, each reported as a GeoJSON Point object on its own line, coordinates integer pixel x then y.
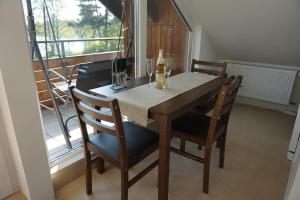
{"type": "Point", "coordinates": [264, 83]}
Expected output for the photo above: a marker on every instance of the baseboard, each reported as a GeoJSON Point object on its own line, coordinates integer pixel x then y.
{"type": "Point", "coordinates": [289, 109]}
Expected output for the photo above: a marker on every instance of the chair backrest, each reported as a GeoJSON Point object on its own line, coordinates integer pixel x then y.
{"type": "Point", "coordinates": [213, 68]}
{"type": "Point", "coordinates": [88, 110]}
{"type": "Point", "coordinates": [223, 106]}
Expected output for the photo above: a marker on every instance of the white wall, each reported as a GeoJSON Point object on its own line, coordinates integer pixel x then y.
{"type": "Point", "coordinates": [19, 105]}
{"type": "Point", "coordinates": [185, 13]}
{"type": "Point", "coordinates": [207, 51]}
{"type": "Point", "coordinates": [6, 188]}
{"type": "Point", "coordinates": [8, 131]}
{"type": "Point", "coordinates": [202, 48]}
{"type": "Point", "coordinates": [265, 31]}
{"type": "Point", "coordinates": [9, 180]}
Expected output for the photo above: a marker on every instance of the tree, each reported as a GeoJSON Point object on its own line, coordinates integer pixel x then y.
{"type": "Point", "coordinates": [101, 23]}
{"type": "Point", "coordinates": [90, 16]}
{"type": "Point", "coordinates": [93, 21]}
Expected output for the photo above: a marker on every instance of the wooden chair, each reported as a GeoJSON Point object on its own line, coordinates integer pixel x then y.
{"type": "Point", "coordinates": [203, 130]}
{"type": "Point", "coordinates": [213, 68]}
{"type": "Point", "coordinates": [210, 102]}
{"type": "Point", "coordinates": [123, 145]}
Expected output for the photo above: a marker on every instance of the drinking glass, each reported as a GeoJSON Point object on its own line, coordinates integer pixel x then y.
{"type": "Point", "coordinates": [168, 68]}
{"type": "Point", "coordinates": [150, 68]}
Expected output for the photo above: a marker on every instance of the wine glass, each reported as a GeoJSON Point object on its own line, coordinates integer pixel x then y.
{"type": "Point", "coordinates": [168, 68]}
{"type": "Point", "coordinates": [150, 68]}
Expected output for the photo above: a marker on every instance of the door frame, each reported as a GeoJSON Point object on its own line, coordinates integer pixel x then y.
{"type": "Point", "coordinates": [140, 35]}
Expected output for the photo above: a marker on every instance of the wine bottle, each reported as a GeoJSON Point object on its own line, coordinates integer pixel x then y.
{"type": "Point", "coordinates": [161, 71]}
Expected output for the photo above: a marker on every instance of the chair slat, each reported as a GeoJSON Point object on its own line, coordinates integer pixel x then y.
{"type": "Point", "coordinates": [99, 126]}
{"type": "Point", "coordinates": [208, 71]}
{"type": "Point", "coordinates": [87, 98]}
{"type": "Point", "coordinates": [213, 64]}
{"type": "Point", "coordinates": [97, 114]}
{"type": "Point", "coordinates": [214, 68]}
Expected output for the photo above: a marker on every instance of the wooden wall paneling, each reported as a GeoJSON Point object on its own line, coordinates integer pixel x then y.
{"type": "Point", "coordinates": [129, 16]}
{"type": "Point", "coordinates": [152, 39]}
{"type": "Point", "coordinates": [169, 31]}
{"type": "Point", "coordinates": [45, 95]}
{"type": "Point", "coordinates": [158, 44]}
{"type": "Point", "coordinates": [55, 64]}
{"type": "Point", "coordinates": [39, 75]}
{"type": "Point", "coordinates": [42, 85]}
{"type": "Point", "coordinates": [149, 38]}
{"type": "Point", "coordinates": [170, 34]}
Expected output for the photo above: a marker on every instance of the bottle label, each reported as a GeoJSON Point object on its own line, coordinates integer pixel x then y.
{"type": "Point", "coordinates": [160, 81]}
{"type": "Point", "coordinates": [160, 75]}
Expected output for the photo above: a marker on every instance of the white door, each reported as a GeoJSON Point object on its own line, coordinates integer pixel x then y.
{"type": "Point", "coordinates": [5, 185]}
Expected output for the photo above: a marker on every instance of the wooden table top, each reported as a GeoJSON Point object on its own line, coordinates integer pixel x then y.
{"type": "Point", "coordinates": [172, 107]}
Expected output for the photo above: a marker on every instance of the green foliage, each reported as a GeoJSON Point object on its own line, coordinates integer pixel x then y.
{"type": "Point", "coordinates": [94, 21]}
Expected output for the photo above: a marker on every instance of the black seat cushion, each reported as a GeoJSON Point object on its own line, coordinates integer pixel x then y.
{"type": "Point", "coordinates": [194, 127]}
{"type": "Point", "coordinates": [140, 142]}
{"type": "Point", "coordinates": [207, 106]}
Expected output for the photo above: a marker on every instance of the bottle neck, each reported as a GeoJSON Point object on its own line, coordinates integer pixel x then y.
{"type": "Point", "coordinates": [161, 53]}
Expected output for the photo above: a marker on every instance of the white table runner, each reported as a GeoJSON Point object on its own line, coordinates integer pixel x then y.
{"type": "Point", "coordinates": [135, 103]}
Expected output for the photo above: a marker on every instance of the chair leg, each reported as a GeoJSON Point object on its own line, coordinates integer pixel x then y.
{"type": "Point", "coordinates": [182, 145]}
{"type": "Point", "coordinates": [88, 172]}
{"type": "Point", "coordinates": [100, 165]}
{"type": "Point", "coordinates": [222, 151]}
{"type": "Point", "coordinates": [206, 170]}
{"type": "Point", "coordinates": [124, 185]}
{"type": "Point", "coordinates": [199, 147]}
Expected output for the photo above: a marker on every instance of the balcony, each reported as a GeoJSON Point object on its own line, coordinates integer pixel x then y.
{"type": "Point", "coordinates": [53, 133]}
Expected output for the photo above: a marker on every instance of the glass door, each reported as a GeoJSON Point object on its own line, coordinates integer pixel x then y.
{"type": "Point", "coordinates": [72, 34]}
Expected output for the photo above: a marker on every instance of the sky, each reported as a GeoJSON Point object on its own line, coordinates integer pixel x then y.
{"type": "Point", "coordinates": [69, 11]}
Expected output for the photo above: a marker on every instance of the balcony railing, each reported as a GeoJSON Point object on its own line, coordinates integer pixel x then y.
{"type": "Point", "coordinates": [72, 52]}
{"type": "Point", "coordinates": [75, 47]}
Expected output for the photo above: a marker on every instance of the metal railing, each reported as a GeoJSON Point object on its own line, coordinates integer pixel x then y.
{"type": "Point", "coordinates": [75, 47]}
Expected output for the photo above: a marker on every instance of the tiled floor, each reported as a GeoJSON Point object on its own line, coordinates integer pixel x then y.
{"type": "Point", "coordinates": [256, 167]}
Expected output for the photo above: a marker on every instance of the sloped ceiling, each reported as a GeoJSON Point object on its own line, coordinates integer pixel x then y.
{"type": "Point", "coordinates": [266, 31]}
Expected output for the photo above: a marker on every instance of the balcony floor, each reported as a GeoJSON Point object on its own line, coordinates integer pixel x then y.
{"type": "Point", "coordinates": [53, 134]}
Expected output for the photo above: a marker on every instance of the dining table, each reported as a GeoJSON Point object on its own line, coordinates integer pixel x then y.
{"type": "Point", "coordinates": [163, 113]}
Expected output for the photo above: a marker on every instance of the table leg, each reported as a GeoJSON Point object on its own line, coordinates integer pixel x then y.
{"type": "Point", "coordinates": [164, 157]}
